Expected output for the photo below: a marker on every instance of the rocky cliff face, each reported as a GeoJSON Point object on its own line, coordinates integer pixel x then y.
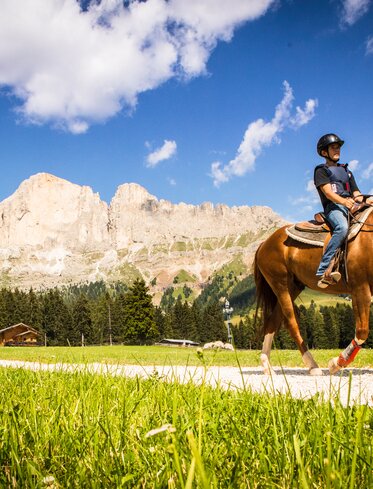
{"type": "Point", "coordinates": [55, 232]}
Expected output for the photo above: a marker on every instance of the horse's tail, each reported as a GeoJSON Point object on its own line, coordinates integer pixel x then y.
{"type": "Point", "coordinates": [265, 297]}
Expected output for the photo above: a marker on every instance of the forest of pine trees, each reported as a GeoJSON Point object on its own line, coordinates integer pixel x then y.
{"type": "Point", "coordinates": [119, 314]}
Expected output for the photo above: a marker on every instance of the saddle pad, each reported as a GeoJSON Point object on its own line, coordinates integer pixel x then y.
{"type": "Point", "coordinates": [317, 238]}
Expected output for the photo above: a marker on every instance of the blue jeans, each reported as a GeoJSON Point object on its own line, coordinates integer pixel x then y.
{"type": "Point", "coordinates": [337, 216]}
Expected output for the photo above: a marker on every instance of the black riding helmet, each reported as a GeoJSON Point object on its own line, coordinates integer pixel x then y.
{"type": "Point", "coordinates": [326, 140]}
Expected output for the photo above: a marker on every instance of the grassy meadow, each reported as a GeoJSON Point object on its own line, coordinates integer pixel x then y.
{"type": "Point", "coordinates": [164, 355]}
{"type": "Point", "coordinates": [62, 430]}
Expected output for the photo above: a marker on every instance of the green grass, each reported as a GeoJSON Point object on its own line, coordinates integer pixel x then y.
{"type": "Point", "coordinates": [162, 355]}
{"type": "Point", "coordinates": [319, 298]}
{"type": "Point", "coordinates": [80, 430]}
{"type": "Point", "coordinates": [183, 276]}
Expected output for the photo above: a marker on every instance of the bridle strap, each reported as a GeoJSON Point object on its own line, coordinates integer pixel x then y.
{"type": "Point", "coordinates": [352, 219]}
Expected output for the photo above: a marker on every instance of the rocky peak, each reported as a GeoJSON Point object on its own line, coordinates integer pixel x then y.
{"type": "Point", "coordinates": [49, 209]}
{"type": "Point", "coordinates": [132, 194]}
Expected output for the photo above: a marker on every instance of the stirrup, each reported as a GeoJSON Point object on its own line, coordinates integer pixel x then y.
{"type": "Point", "coordinates": [331, 279]}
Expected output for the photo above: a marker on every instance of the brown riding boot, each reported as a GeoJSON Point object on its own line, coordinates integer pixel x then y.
{"type": "Point", "coordinates": [329, 279]}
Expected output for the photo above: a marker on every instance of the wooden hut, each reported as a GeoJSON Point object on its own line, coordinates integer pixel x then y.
{"type": "Point", "coordinates": [19, 335]}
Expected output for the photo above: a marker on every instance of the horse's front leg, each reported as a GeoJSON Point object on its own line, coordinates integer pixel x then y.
{"type": "Point", "coordinates": [361, 305]}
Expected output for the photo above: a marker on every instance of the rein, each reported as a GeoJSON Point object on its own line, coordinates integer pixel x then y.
{"type": "Point", "coordinates": [352, 218]}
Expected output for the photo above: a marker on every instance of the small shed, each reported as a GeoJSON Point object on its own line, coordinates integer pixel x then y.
{"type": "Point", "coordinates": [172, 342]}
{"type": "Point", "coordinates": [19, 335]}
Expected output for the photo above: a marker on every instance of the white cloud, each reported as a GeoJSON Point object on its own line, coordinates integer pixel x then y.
{"type": "Point", "coordinates": [171, 181]}
{"type": "Point", "coordinates": [369, 45]}
{"type": "Point", "coordinates": [163, 153]}
{"type": "Point", "coordinates": [71, 67]}
{"type": "Point", "coordinates": [303, 116]}
{"type": "Point", "coordinates": [311, 189]}
{"type": "Point", "coordinates": [353, 164]}
{"type": "Point", "coordinates": [352, 10]}
{"type": "Point", "coordinates": [260, 134]}
{"type": "Point", "coordinates": [368, 172]}
{"type": "Point", "coordinates": [309, 199]}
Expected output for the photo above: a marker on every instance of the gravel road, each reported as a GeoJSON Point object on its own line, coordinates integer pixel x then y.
{"type": "Point", "coordinates": [297, 381]}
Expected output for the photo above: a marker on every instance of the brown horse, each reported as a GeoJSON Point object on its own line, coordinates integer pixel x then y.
{"type": "Point", "coordinates": [283, 267]}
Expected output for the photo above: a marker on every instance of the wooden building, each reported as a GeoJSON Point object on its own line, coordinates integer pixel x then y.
{"type": "Point", "coordinates": [171, 342]}
{"type": "Point", "coordinates": [19, 335]}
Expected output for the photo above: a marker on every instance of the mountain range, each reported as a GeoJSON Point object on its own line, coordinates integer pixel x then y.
{"type": "Point", "coordinates": [54, 232]}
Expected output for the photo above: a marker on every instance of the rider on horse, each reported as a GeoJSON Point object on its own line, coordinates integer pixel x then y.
{"type": "Point", "coordinates": [338, 193]}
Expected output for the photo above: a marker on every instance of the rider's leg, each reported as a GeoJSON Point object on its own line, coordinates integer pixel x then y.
{"type": "Point", "coordinates": [337, 215]}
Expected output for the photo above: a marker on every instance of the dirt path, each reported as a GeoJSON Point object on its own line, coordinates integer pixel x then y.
{"type": "Point", "coordinates": [293, 380]}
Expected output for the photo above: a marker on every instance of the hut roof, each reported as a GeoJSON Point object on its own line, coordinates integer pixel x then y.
{"type": "Point", "coordinates": [26, 332]}
{"type": "Point", "coordinates": [29, 328]}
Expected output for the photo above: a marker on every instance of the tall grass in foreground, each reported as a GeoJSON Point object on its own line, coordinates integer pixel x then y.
{"type": "Point", "coordinates": [80, 430]}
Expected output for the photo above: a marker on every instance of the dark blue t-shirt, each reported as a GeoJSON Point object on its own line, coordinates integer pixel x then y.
{"type": "Point", "coordinates": [322, 177]}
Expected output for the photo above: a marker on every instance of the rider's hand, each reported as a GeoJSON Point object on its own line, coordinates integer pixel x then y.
{"type": "Point", "coordinates": [349, 202]}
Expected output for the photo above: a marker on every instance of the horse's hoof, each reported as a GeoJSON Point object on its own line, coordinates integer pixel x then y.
{"type": "Point", "coordinates": [333, 366]}
{"type": "Point", "coordinates": [267, 368]}
{"type": "Point", "coordinates": [269, 371]}
{"type": "Point", "coordinates": [316, 371]}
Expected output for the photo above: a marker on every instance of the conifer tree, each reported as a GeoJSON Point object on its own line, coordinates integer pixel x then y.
{"type": "Point", "coordinates": [197, 319]}
{"type": "Point", "coordinates": [250, 338]}
{"type": "Point", "coordinates": [4, 315]}
{"type": "Point", "coordinates": [140, 325]}
{"type": "Point", "coordinates": [177, 320]}
{"type": "Point", "coordinates": [10, 307]}
{"type": "Point", "coordinates": [20, 306]}
{"type": "Point", "coordinates": [190, 324]}
{"type": "Point", "coordinates": [331, 327]}
{"type": "Point", "coordinates": [118, 318]}
{"type": "Point", "coordinates": [57, 320]}
{"type": "Point", "coordinates": [34, 317]}
{"type": "Point", "coordinates": [81, 320]}
{"type": "Point", "coordinates": [315, 327]}
{"type": "Point", "coordinates": [238, 335]}
{"type": "Point", "coordinates": [183, 321]}
{"type": "Point", "coordinates": [101, 311]}
{"type": "Point", "coordinates": [163, 323]}
{"type": "Point", "coordinates": [345, 319]}
{"type": "Point", "coordinates": [213, 319]}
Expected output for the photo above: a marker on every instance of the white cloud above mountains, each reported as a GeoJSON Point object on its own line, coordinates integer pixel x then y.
{"type": "Point", "coordinates": [165, 152]}
{"type": "Point", "coordinates": [73, 67]}
{"type": "Point", "coordinates": [260, 134]}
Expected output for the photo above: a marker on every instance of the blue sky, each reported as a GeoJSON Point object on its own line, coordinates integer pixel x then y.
{"type": "Point", "coordinates": [208, 100]}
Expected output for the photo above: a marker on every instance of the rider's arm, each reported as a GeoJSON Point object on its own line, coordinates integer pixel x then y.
{"type": "Point", "coordinates": [359, 197]}
{"type": "Point", "coordinates": [337, 199]}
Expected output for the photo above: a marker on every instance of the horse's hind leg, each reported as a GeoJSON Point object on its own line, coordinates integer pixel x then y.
{"type": "Point", "coordinates": [361, 298]}
{"type": "Point", "coordinates": [271, 325]}
{"type": "Point", "coordinates": [285, 296]}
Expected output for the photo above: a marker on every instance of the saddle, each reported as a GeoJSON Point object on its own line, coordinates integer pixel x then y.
{"type": "Point", "coordinates": [315, 231]}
